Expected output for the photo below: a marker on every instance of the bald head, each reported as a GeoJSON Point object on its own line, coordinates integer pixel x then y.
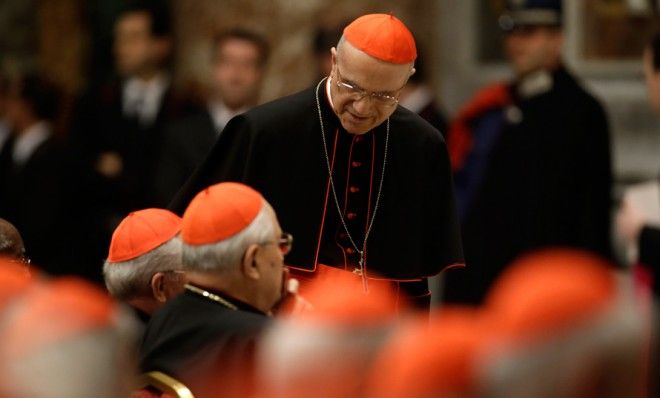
{"type": "Point", "coordinates": [11, 243]}
{"type": "Point", "coordinates": [347, 50]}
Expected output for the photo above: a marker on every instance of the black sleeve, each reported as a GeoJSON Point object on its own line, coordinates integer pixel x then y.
{"type": "Point", "coordinates": [595, 197]}
{"type": "Point", "coordinates": [228, 160]}
{"type": "Point", "coordinates": [649, 248]}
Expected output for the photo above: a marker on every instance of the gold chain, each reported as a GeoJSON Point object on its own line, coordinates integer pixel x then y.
{"type": "Point", "coordinates": [210, 296]}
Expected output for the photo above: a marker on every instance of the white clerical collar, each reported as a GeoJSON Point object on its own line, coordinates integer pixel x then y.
{"type": "Point", "coordinates": [142, 99]}
{"type": "Point", "coordinates": [221, 114]}
{"type": "Point", "coordinates": [28, 142]}
{"type": "Point", "coordinates": [418, 99]}
{"type": "Point", "coordinates": [328, 93]}
{"type": "Point", "coordinates": [534, 83]}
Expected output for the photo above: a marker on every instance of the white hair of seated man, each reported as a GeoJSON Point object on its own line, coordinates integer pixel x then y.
{"type": "Point", "coordinates": [227, 253]}
{"type": "Point", "coordinates": [133, 278]}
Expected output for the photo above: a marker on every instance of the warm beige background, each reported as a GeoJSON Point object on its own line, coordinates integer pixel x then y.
{"type": "Point", "coordinates": [289, 25]}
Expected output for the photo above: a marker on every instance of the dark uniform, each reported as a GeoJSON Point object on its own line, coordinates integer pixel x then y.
{"type": "Point", "coordinates": [538, 174]}
{"type": "Point", "coordinates": [277, 149]}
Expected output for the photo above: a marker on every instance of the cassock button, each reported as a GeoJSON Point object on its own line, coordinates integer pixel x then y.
{"type": "Point", "coordinates": [354, 189]}
{"type": "Point", "coordinates": [356, 164]}
{"type": "Point", "coordinates": [350, 251]}
{"type": "Point", "coordinates": [351, 216]}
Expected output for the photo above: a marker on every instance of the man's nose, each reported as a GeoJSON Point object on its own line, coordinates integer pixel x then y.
{"type": "Point", "coordinates": [362, 106]}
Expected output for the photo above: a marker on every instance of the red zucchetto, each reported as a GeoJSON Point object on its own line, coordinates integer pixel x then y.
{"type": "Point", "coordinates": [220, 212]}
{"type": "Point", "coordinates": [142, 231]}
{"type": "Point", "coordinates": [382, 36]}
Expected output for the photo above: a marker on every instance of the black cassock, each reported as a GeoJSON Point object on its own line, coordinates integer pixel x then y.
{"type": "Point", "coordinates": [277, 149]}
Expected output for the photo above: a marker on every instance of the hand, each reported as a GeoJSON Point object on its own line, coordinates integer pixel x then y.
{"type": "Point", "coordinates": [291, 302]}
{"type": "Point", "coordinates": [109, 164]}
{"type": "Point", "coordinates": [629, 222]}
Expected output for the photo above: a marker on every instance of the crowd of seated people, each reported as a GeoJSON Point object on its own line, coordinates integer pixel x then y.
{"type": "Point", "coordinates": [106, 293]}
{"type": "Point", "coordinates": [226, 323]}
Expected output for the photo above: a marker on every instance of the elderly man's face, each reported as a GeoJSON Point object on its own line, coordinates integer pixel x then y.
{"type": "Point", "coordinates": [270, 261]}
{"type": "Point", "coordinates": [359, 70]}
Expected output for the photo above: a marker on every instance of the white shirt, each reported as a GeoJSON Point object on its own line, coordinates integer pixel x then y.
{"type": "Point", "coordinates": [143, 98]}
{"type": "Point", "coordinates": [28, 142]}
{"type": "Point", "coordinates": [221, 115]}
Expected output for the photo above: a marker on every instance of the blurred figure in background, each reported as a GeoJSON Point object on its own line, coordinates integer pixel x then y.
{"type": "Point", "coordinates": [439, 359]}
{"type": "Point", "coordinates": [117, 129]}
{"type": "Point", "coordinates": [566, 325]}
{"type": "Point", "coordinates": [33, 184]}
{"type": "Point", "coordinates": [327, 350]}
{"type": "Point", "coordinates": [557, 323]}
{"type": "Point", "coordinates": [143, 268]}
{"type": "Point", "coordinates": [417, 95]}
{"type": "Point", "coordinates": [632, 224]}
{"type": "Point", "coordinates": [66, 338]}
{"type": "Point", "coordinates": [239, 59]}
{"type": "Point", "coordinates": [531, 158]}
{"type": "Point", "coordinates": [635, 228]}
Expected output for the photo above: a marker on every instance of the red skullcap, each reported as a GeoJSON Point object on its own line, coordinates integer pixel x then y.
{"type": "Point", "coordinates": [439, 358]}
{"type": "Point", "coordinates": [544, 293]}
{"type": "Point", "coordinates": [56, 312]}
{"type": "Point", "coordinates": [14, 279]}
{"type": "Point", "coordinates": [142, 231]}
{"type": "Point", "coordinates": [382, 36]}
{"type": "Point", "coordinates": [220, 212]}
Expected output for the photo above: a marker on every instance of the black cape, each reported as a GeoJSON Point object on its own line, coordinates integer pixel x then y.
{"type": "Point", "coordinates": [277, 149]}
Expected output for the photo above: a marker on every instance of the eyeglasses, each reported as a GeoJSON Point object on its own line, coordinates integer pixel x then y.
{"type": "Point", "coordinates": [357, 93]}
{"type": "Point", "coordinates": [284, 243]}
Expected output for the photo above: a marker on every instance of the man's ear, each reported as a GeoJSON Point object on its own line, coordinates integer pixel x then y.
{"type": "Point", "coordinates": [249, 266]}
{"type": "Point", "coordinates": [158, 288]}
{"type": "Point", "coordinates": [412, 71]}
{"type": "Point", "coordinates": [333, 53]}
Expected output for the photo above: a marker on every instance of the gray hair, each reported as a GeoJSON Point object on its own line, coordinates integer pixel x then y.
{"type": "Point", "coordinates": [225, 254]}
{"type": "Point", "coordinates": [11, 242]}
{"type": "Point", "coordinates": [132, 278]}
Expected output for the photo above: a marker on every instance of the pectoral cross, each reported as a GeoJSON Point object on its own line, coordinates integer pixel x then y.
{"type": "Point", "coordinates": [359, 270]}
